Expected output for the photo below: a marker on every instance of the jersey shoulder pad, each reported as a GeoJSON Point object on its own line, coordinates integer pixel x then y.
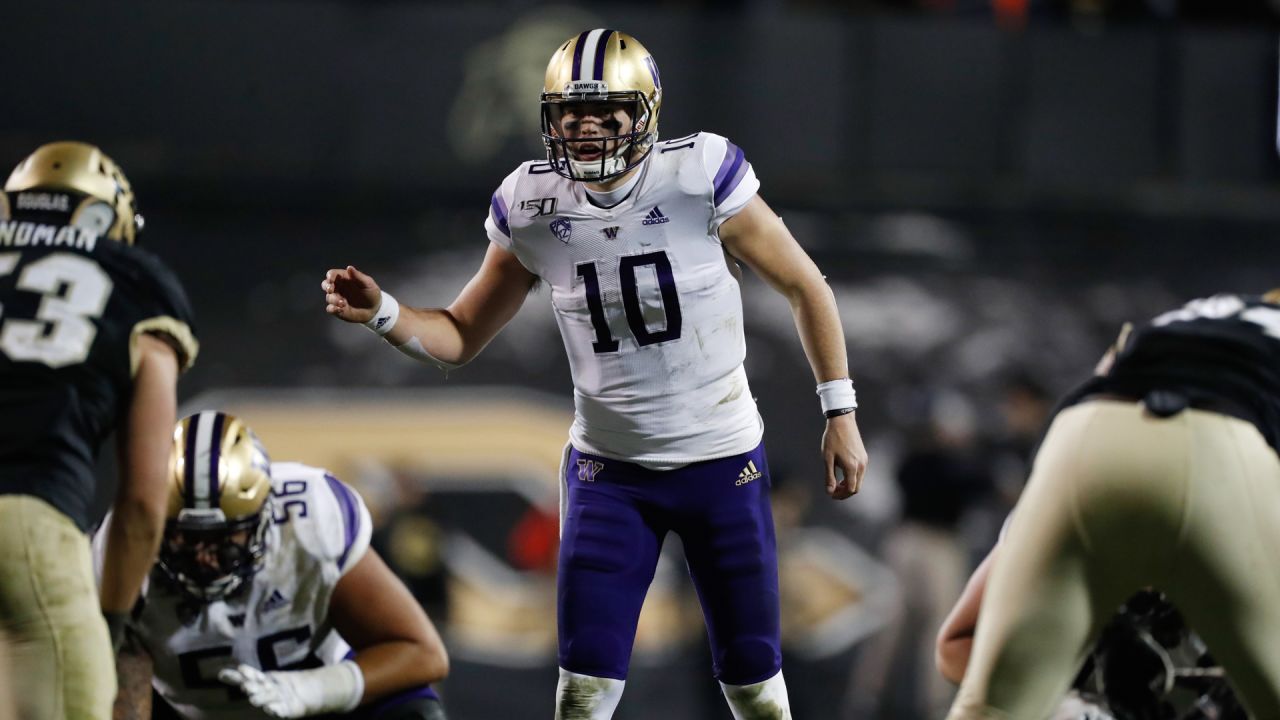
{"type": "Point", "coordinates": [328, 517]}
{"type": "Point", "coordinates": [161, 304]}
{"type": "Point", "coordinates": [730, 178]}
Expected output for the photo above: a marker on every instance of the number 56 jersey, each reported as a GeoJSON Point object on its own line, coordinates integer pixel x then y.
{"type": "Point", "coordinates": [647, 301]}
{"type": "Point", "coordinates": [279, 620]}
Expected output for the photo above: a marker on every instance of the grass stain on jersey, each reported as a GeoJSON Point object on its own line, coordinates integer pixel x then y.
{"type": "Point", "coordinates": [581, 696]}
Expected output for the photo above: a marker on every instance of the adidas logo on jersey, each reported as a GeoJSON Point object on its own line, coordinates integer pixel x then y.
{"type": "Point", "coordinates": [274, 601]}
{"type": "Point", "coordinates": [749, 473]}
{"type": "Point", "coordinates": [655, 217]}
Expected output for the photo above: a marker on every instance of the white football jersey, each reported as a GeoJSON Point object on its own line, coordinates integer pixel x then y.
{"type": "Point", "coordinates": [648, 307]}
{"type": "Point", "coordinates": [279, 621]}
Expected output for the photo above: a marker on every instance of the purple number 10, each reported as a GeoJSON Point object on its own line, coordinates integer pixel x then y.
{"type": "Point", "coordinates": [604, 342]}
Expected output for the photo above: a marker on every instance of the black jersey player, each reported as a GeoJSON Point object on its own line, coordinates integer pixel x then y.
{"type": "Point", "coordinates": [93, 334]}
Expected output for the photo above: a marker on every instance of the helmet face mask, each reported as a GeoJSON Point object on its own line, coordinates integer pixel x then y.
{"type": "Point", "coordinates": [602, 73]}
{"type": "Point", "coordinates": [211, 560]}
{"type": "Point", "coordinates": [596, 157]}
{"type": "Point", "coordinates": [217, 534]}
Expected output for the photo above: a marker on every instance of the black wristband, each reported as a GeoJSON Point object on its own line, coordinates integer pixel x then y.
{"type": "Point", "coordinates": [837, 412]}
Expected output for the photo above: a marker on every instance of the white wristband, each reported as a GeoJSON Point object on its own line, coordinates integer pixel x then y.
{"type": "Point", "coordinates": [837, 395]}
{"type": "Point", "coordinates": [333, 688]}
{"type": "Point", "coordinates": [386, 316]}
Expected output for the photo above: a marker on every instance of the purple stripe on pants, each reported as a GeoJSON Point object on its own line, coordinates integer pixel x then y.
{"type": "Point", "coordinates": [617, 515]}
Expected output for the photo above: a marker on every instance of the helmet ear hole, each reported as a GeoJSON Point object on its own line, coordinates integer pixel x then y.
{"type": "Point", "coordinates": [95, 216]}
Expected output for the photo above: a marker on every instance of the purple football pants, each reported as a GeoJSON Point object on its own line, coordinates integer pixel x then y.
{"type": "Point", "coordinates": [618, 514]}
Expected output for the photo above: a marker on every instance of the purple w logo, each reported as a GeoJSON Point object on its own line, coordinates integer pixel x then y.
{"type": "Point", "coordinates": [611, 232]}
{"type": "Point", "coordinates": [587, 469]}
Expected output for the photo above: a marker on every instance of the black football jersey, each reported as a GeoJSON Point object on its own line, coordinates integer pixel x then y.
{"type": "Point", "coordinates": [71, 307]}
{"type": "Point", "coordinates": [1220, 353]}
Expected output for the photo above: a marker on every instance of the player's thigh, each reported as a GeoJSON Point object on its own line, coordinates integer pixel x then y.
{"type": "Point", "coordinates": [63, 578]}
{"type": "Point", "coordinates": [60, 650]}
{"type": "Point", "coordinates": [1046, 599]}
{"type": "Point", "coordinates": [1227, 581]}
{"type": "Point", "coordinates": [731, 551]}
{"type": "Point", "coordinates": [609, 546]}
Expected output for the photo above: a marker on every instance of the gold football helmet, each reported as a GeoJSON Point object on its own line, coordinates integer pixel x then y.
{"type": "Point", "coordinates": [106, 205]}
{"type": "Point", "coordinates": [601, 67]}
{"type": "Point", "coordinates": [1272, 296]}
{"type": "Point", "coordinates": [219, 506]}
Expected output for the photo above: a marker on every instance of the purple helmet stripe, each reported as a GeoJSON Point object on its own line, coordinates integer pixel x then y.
{"type": "Point", "coordinates": [727, 177]}
{"type": "Point", "coordinates": [602, 44]}
{"type": "Point", "coordinates": [189, 464]}
{"type": "Point", "coordinates": [577, 55]}
{"type": "Point", "coordinates": [653, 70]}
{"type": "Point", "coordinates": [350, 515]}
{"type": "Point", "coordinates": [215, 455]}
{"type": "Point", "coordinates": [499, 207]}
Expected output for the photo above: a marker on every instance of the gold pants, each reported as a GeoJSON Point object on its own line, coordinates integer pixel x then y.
{"type": "Point", "coordinates": [1119, 500]}
{"type": "Point", "coordinates": [59, 650]}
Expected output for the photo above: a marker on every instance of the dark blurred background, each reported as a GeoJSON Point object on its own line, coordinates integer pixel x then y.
{"type": "Point", "coordinates": [991, 186]}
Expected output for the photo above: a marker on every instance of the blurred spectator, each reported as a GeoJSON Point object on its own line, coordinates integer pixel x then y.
{"type": "Point", "coordinates": [940, 479]}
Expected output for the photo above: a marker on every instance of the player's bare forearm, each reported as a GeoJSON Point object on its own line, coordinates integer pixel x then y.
{"type": "Point", "coordinates": [453, 335]}
{"type": "Point", "coordinates": [139, 510]}
{"type": "Point", "coordinates": [955, 637]}
{"type": "Point", "coordinates": [391, 667]}
{"type": "Point", "coordinates": [818, 324]}
{"type": "Point", "coordinates": [396, 645]}
{"type": "Point", "coordinates": [133, 670]}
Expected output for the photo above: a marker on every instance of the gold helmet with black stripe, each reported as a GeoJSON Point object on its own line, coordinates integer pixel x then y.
{"type": "Point", "coordinates": [219, 506]}
{"type": "Point", "coordinates": [604, 69]}
{"type": "Point", "coordinates": [97, 195]}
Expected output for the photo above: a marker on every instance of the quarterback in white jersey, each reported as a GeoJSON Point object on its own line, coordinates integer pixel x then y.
{"type": "Point", "coordinates": [639, 241]}
{"type": "Point", "coordinates": [265, 583]}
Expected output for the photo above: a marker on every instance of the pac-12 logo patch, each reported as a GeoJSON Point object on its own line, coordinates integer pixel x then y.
{"type": "Point", "coordinates": [562, 228]}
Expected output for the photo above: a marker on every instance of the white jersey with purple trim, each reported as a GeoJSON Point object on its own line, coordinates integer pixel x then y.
{"type": "Point", "coordinates": [648, 305]}
{"type": "Point", "coordinates": [279, 620]}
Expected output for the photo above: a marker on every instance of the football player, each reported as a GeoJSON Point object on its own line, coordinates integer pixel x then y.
{"type": "Point", "coordinates": [94, 332]}
{"type": "Point", "coordinates": [640, 241]}
{"type": "Point", "coordinates": [1161, 472]}
{"type": "Point", "coordinates": [267, 601]}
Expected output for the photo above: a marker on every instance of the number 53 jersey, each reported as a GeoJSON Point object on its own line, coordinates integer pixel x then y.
{"type": "Point", "coordinates": [279, 620]}
{"type": "Point", "coordinates": [72, 305]}
{"type": "Point", "coordinates": [647, 300]}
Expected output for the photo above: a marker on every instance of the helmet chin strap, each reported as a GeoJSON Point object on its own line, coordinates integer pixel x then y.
{"type": "Point", "coordinates": [594, 169]}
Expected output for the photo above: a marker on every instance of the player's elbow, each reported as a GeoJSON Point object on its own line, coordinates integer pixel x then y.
{"type": "Point", "coordinates": [951, 654]}
{"type": "Point", "coordinates": [435, 662]}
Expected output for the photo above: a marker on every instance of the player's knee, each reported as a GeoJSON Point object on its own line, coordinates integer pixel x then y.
{"type": "Point", "coordinates": [747, 661]}
{"type": "Point", "coordinates": [599, 653]}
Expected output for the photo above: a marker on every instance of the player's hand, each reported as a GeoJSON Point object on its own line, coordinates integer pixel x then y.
{"type": "Point", "coordinates": [273, 692]}
{"type": "Point", "coordinates": [350, 295]}
{"type": "Point", "coordinates": [842, 450]}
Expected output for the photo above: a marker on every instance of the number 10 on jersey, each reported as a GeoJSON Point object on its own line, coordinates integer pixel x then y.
{"type": "Point", "coordinates": [627, 266]}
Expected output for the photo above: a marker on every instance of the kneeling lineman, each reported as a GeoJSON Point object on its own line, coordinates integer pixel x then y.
{"type": "Point", "coordinates": [267, 600]}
